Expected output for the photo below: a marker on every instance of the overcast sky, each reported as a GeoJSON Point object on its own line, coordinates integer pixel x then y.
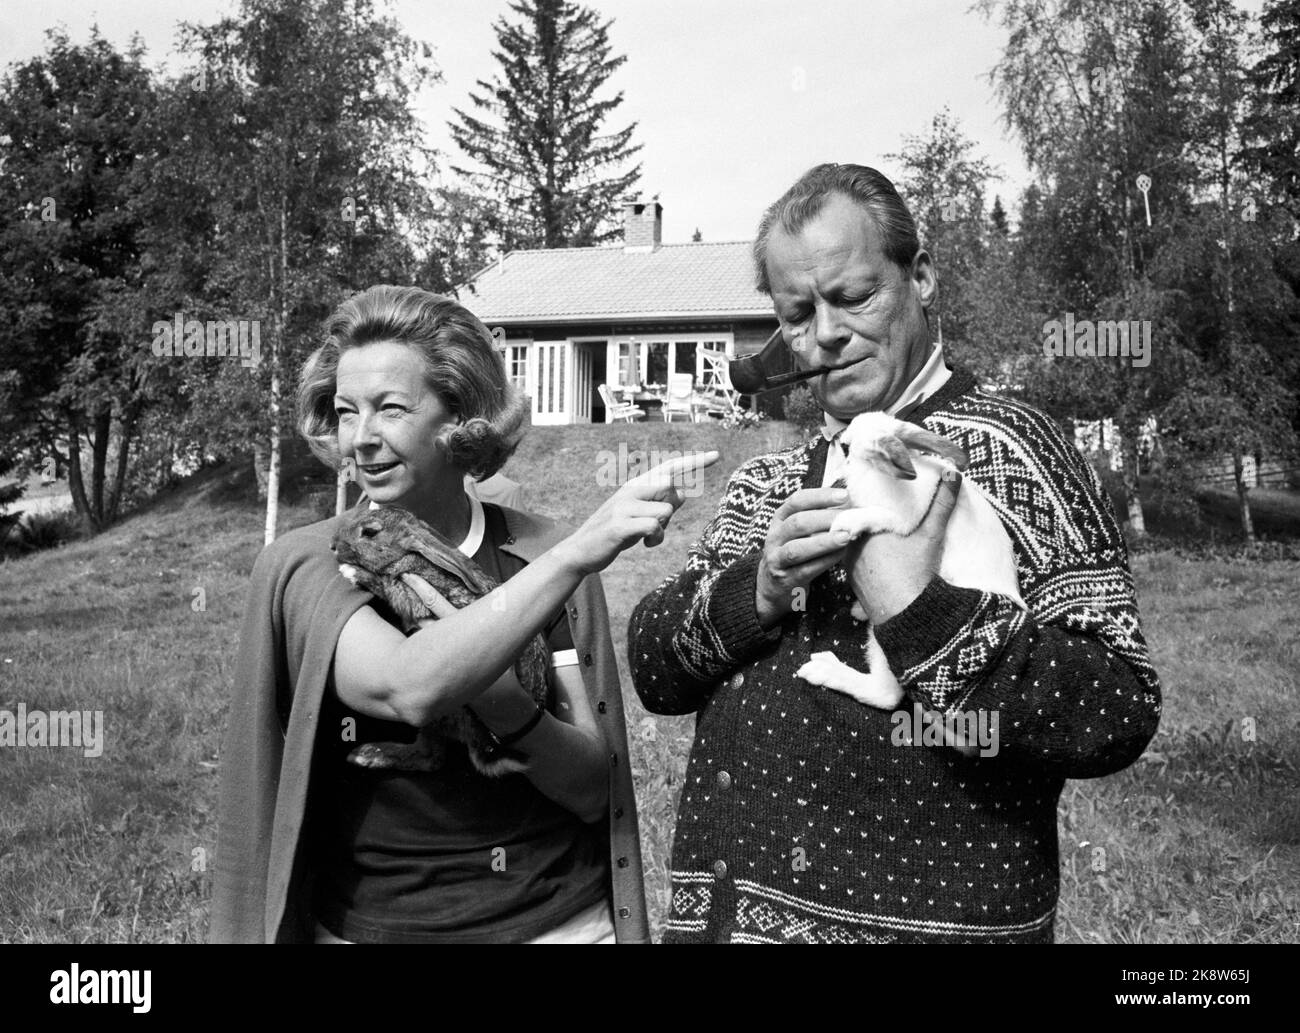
{"type": "Point", "coordinates": [732, 98]}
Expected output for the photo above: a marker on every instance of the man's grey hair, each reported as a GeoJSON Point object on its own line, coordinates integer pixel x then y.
{"type": "Point", "coordinates": [864, 186]}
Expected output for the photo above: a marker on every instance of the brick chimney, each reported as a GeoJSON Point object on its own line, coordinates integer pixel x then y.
{"type": "Point", "coordinates": [643, 223]}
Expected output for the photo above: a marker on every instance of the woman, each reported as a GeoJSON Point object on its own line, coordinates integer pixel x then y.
{"type": "Point", "coordinates": [313, 847]}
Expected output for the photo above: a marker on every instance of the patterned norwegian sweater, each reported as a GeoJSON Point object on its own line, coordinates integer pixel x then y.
{"type": "Point", "coordinates": [800, 819]}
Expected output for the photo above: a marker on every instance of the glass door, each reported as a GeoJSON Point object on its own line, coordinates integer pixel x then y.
{"type": "Point", "coordinates": [550, 381]}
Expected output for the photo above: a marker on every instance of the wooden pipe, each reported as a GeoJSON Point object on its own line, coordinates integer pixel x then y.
{"type": "Point", "coordinates": [771, 367]}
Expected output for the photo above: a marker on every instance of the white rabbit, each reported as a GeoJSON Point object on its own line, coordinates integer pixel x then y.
{"type": "Point", "coordinates": [892, 490]}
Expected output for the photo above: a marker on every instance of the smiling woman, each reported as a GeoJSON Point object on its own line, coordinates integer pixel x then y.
{"type": "Point", "coordinates": [417, 340]}
{"type": "Point", "coordinates": [318, 842]}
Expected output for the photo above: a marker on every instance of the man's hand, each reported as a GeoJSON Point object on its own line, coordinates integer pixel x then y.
{"type": "Point", "coordinates": [889, 571]}
{"type": "Point", "coordinates": [799, 547]}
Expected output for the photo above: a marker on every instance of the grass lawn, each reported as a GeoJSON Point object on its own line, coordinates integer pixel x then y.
{"type": "Point", "coordinates": [1199, 841]}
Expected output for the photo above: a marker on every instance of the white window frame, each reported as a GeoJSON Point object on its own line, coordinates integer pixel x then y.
{"type": "Point", "coordinates": [642, 341]}
{"type": "Point", "coordinates": [517, 363]}
{"type": "Point", "coordinates": [550, 383]}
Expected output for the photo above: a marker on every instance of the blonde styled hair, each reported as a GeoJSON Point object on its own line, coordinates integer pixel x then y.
{"type": "Point", "coordinates": [461, 365]}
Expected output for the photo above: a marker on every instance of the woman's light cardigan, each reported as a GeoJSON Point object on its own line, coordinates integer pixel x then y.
{"type": "Point", "coordinates": [297, 606]}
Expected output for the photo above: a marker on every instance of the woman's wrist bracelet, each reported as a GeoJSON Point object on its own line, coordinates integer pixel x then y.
{"type": "Point", "coordinates": [513, 737]}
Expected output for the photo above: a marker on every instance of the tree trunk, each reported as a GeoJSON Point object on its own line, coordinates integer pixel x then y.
{"type": "Point", "coordinates": [1132, 498]}
{"type": "Point", "coordinates": [1243, 498]}
{"type": "Point", "coordinates": [119, 474]}
{"type": "Point", "coordinates": [167, 465]}
{"type": "Point", "coordinates": [273, 469]}
{"type": "Point", "coordinates": [261, 461]}
{"type": "Point", "coordinates": [1158, 457]}
{"type": "Point", "coordinates": [277, 342]}
{"type": "Point", "coordinates": [103, 431]}
{"type": "Point", "coordinates": [75, 484]}
{"type": "Point", "coordinates": [341, 493]}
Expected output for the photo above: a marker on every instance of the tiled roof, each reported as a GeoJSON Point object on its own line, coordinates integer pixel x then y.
{"type": "Point", "coordinates": [593, 283]}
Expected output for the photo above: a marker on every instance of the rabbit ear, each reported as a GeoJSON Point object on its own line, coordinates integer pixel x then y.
{"type": "Point", "coordinates": [927, 441]}
{"type": "Point", "coordinates": [447, 558]}
{"type": "Point", "coordinates": [896, 452]}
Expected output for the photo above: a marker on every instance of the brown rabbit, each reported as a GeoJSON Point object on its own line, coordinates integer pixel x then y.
{"type": "Point", "coordinates": [375, 548]}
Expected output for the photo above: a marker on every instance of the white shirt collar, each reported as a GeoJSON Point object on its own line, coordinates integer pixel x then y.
{"type": "Point", "coordinates": [933, 375]}
{"type": "Point", "coordinates": [477, 526]}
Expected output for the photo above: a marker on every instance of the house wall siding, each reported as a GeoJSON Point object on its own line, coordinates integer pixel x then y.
{"type": "Point", "coordinates": [750, 337]}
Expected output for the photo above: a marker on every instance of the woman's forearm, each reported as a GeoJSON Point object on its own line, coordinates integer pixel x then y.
{"type": "Point", "coordinates": [452, 660]}
{"type": "Point", "coordinates": [566, 763]}
{"type": "Point", "coordinates": [568, 766]}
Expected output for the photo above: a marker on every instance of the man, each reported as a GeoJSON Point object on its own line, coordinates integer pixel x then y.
{"type": "Point", "coordinates": [804, 816]}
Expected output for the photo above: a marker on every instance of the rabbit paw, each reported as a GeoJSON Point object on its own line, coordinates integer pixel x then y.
{"type": "Point", "coordinates": [828, 671]}
{"type": "Point", "coordinates": [854, 522]}
{"type": "Point", "coordinates": [394, 756]}
{"type": "Point", "coordinates": [498, 768]}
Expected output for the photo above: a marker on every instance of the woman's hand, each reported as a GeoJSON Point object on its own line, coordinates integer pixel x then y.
{"type": "Point", "coordinates": [640, 510]}
{"type": "Point", "coordinates": [564, 754]}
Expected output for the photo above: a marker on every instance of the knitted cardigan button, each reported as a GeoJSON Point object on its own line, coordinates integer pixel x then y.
{"type": "Point", "coordinates": [724, 780]}
{"type": "Point", "coordinates": [720, 869]}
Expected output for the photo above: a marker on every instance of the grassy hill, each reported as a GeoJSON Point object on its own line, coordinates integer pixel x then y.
{"type": "Point", "coordinates": [1199, 841]}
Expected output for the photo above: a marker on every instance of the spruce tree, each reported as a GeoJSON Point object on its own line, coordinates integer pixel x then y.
{"type": "Point", "coordinates": [998, 217]}
{"type": "Point", "coordinates": [1273, 125]}
{"type": "Point", "coordinates": [548, 174]}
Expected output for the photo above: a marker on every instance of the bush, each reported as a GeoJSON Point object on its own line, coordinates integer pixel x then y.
{"type": "Point", "coordinates": [9, 494]}
{"type": "Point", "coordinates": [47, 530]}
{"type": "Point", "coordinates": [1263, 551]}
{"type": "Point", "coordinates": [742, 419]}
{"type": "Point", "coordinates": [803, 410]}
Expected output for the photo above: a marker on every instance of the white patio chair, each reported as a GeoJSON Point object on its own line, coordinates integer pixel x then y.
{"type": "Point", "coordinates": [619, 410]}
{"type": "Point", "coordinates": [721, 398]}
{"type": "Point", "coordinates": [681, 397]}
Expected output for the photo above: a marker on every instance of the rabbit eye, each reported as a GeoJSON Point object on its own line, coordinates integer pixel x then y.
{"type": "Point", "coordinates": [844, 448]}
{"type": "Point", "coordinates": [369, 530]}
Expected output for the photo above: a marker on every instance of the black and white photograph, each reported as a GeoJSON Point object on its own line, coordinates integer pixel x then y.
{"type": "Point", "coordinates": [648, 471]}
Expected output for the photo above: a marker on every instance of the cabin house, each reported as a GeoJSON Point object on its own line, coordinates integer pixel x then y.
{"type": "Point", "coordinates": [573, 319]}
